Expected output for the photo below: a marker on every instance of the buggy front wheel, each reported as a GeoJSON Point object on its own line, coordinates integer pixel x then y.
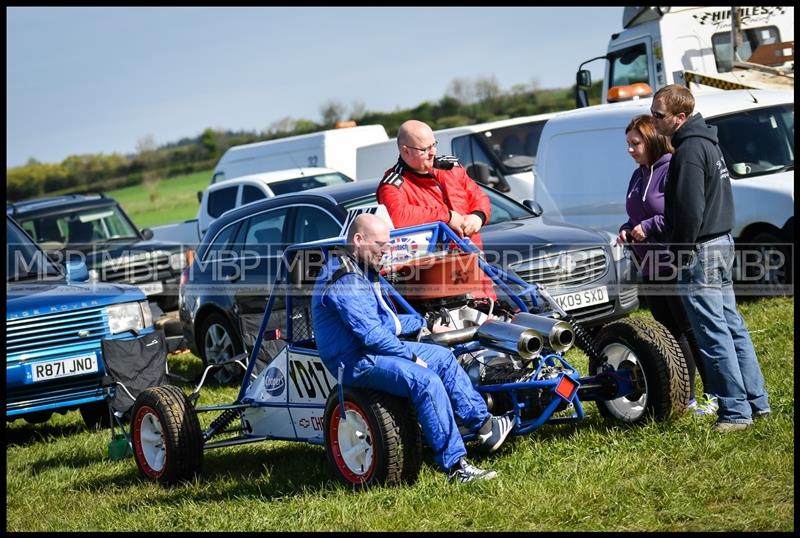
{"type": "Point", "coordinates": [376, 443]}
{"type": "Point", "coordinates": [658, 369]}
{"type": "Point", "coordinates": [167, 441]}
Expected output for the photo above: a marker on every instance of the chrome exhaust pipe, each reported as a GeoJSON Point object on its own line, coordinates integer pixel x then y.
{"type": "Point", "coordinates": [451, 338]}
{"type": "Point", "coordinates": [558, 333]}
{"type": "Point", "coordinates": [502, 336]}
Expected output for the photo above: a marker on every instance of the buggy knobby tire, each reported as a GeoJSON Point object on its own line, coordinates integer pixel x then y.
{"type": "Point", "coordinates": [647, 347]}
{"type": "Point", "coordinates": [167, 441]}
{"type": "Point", "coordinates": [378, 443]}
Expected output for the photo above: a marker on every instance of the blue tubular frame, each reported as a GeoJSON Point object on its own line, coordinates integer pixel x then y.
{"type": "Point", "coordinates": [619, 380]}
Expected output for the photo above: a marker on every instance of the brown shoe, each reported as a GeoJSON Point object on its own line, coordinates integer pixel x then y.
{"type": "Point", "coordinates": [727, 427]}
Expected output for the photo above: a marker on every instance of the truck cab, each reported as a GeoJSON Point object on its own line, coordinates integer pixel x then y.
{"type": "Point", "coordinates": [691, 46]}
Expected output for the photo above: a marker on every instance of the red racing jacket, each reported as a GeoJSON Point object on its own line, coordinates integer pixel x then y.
{"type": "Point", "coordinates": [412, 198]}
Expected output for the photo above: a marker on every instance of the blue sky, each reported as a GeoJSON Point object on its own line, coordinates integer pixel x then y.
{"type": "Point", "coordinates": [92, 80]}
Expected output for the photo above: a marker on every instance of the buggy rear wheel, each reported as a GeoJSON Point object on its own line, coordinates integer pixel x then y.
{"type": "Point", "coordinates": [659, 370]}
{"type": "Point", "coordinates": [377, 444]}
{"type": "Point", "coordinates": [167, 441]}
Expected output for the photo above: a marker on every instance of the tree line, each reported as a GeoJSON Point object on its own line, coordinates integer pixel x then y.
{"type": "Point", "coordinates": [466, 101]}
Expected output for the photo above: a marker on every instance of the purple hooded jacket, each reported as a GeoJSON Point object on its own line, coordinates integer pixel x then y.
{"type": "Point", "coordinates": [645, 205]}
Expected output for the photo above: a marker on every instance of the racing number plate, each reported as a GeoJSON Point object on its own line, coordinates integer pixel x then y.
{"type": "Point", "coordinates": [579, 299]}
{"type": "Point", "coordinates": [42, 371]}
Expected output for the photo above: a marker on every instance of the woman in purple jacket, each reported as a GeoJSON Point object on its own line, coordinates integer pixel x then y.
{"type": "Point", "coordinates": [644, 232]}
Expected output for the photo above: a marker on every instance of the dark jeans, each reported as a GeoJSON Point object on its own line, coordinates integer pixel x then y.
{"type": "Point", "coordinates": [667, 308]}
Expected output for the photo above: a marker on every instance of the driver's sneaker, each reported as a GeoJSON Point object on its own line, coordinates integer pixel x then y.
{"type": "Point", "coordinates": [499, 428]}
{"type": "Point", "coordinates": [463, 472]}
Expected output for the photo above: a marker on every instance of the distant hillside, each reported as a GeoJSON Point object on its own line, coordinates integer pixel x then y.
{"type": "Point", "coordinates": [466, 102]}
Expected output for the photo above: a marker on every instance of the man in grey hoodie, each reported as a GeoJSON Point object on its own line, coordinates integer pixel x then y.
{"type": "Point", "coordinates": [698, 217]}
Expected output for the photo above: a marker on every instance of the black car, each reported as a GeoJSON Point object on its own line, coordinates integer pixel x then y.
{"type": "Point", "coordinates": [95, 229]}
{"type": "Point", "coordinates": [238, 257]}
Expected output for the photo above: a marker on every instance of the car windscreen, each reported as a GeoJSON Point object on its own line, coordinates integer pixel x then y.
{"type": "Point", "coordinates": [768, 146]}
{"type": "Point", "coordinates": [304, 183]}
{"type": "Point", "coordinates": [79, 226]}
{"type": "Point", "coordinates": [24, 260]}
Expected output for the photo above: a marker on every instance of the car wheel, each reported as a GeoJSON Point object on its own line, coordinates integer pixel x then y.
{"type": "Point", "coordinates": [95, 415]}
{"type": "Point", "coordinates": [659, 369]}
{"type": "Point", "coordinates": [770, 262]}
{"type": "Point", "coordinates": [376, 444]}
{"type": "Point", "coordinates": [218, 343]}
{"type": "Point", "coordinates": [166, 435]}
{"type": "Point", "coordinates": [38, 417]}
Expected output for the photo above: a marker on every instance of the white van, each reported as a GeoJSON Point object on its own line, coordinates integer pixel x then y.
{"type": "Point", "coordinates": [220, 197]}
{"type": "Point", "coordinates": [334, 148]}
{"type": "Point", "coordinates": [583, 167]}
{"type": "Point", "coordinates": [498, 153]}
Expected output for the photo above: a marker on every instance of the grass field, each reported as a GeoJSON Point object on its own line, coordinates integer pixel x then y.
{"type": "Point", "coordinates": [167, 201]}
{"type": "Point", "coordinates": [593, 475]}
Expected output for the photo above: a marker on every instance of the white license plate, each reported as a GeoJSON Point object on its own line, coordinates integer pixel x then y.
{"type": "Point", "coordinates": [151, 288]}
{"type": "Point", "coordinates": [42, 371]}
{"type": "Point", "coordinates": [579, 299]}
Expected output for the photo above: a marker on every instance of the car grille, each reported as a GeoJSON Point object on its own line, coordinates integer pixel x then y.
{"type": "Point", "coordinates": [565, 269]}
{"type": "Point", "coordinates": [38, 334]}
{"type": "Point", "coordinates": [145, 267]}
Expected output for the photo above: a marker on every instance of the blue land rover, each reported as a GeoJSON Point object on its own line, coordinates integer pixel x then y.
{"type": "Point", "coordinates": [54, 327]}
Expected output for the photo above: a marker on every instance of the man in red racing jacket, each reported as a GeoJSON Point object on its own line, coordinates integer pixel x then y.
{"type": "Point", "coordinates": [415, 192]}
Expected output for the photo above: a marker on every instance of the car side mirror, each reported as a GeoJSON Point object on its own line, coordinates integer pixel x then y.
{"type": "Point", "coordinates": [199, 196]}
{"type": "Point", "coordinates": [480, 173]}
{"type": "Point", "coordinates": [147, 233]}
{"type": "Point", "coordinates": [76, 271]}
{"type": "Point", "coordinates": [535, 207]}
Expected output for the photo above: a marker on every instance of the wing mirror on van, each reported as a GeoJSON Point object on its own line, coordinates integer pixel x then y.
{"type": "Point", "coordinates": [535, 207]}
{"type": "Point", "coordinates": [584, 78]}
{"type": "Point", "coordinates": [199, 196]}
{"type": "Point", "coordinates": [147, 233]}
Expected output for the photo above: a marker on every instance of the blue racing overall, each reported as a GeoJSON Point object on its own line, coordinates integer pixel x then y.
{"type": "Point", "coordinates": [355, 325]}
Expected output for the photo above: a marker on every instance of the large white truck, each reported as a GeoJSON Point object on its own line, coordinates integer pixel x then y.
{"type": "Point", "coordinates": [692, 46]}
{"type": "Point", "coordinates": [498, 153]}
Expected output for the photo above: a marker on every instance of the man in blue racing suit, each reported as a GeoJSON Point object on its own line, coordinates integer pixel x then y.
{"type": "Point", "coordinates": [356, 326]}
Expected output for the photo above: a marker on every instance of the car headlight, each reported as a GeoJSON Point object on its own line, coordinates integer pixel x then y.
{"type": "Point", "coordinates": [129, 316]}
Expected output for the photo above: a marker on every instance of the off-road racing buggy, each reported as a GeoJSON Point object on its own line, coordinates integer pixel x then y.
{"type": "Point", "coordinates": [512, 348]}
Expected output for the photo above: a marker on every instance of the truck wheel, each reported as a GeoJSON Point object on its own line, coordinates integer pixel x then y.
{"type": "Point", "coordinates": [95, 415]}
{"type": "Point", "coordinates": [376, 444]}
{"type": "Point", "coordinates": [219, 342]}
{"type": "Point", "coordinates": [167, 441]}
{"type": "Point", "coordinates": [647, 347]}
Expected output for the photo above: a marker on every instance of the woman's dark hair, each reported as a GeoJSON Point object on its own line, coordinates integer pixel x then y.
{"type": "Point", "coordinates": [655, 144]}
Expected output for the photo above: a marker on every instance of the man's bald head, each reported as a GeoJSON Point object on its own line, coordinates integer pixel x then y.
{"type": "Point", "coordinates": [417, 145]}
{"type": "Point", "coordinates": [411, 131]}
{"type": "Point", "coordinates": [368, 239]}
{"type": "Point", "coordinates": [366, 223]}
